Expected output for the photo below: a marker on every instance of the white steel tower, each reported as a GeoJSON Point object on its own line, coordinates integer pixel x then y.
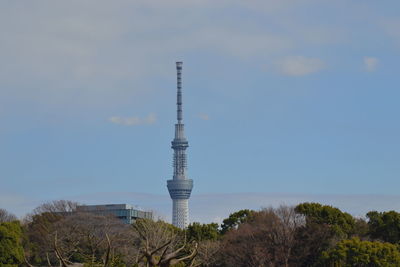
{"type": "Point", "coordinates": [180, 186]}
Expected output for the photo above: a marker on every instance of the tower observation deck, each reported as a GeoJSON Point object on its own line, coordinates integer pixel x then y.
{"type": "Point", "coordinates": [180, 186]}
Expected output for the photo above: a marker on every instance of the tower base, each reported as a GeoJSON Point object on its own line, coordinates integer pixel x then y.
{"type": "Point", "coordinates": [180, 213]}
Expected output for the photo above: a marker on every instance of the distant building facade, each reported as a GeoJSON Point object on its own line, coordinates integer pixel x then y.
{"type": "Point", "coordinates": [124, 212]}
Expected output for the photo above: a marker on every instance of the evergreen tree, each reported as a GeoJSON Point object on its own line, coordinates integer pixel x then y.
{"type": "Point", "coordinates": [355, 252]}
{"type": "Point", "coordinates": [11, 251]}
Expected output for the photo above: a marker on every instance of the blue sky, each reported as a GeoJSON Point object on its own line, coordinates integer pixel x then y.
{"type": "Point", "coordinates": [280, 97]}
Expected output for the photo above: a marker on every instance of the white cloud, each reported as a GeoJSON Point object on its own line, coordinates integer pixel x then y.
{"type": "Point", "coordinates": [204, 116]}
{"type": "Point", "coordinates": [74, 43]}
{"type": "Point", "coordinates": [63, 53]}
{"type": "Point", "coordinates": [299, 66]}
{"type": "Point", "coordinates": [133, 121]}
{"type": "Point", "coordinates": [370, 63]}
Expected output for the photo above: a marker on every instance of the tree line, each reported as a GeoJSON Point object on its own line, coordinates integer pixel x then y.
{"type": "Point", "coordinates": [309, 234]}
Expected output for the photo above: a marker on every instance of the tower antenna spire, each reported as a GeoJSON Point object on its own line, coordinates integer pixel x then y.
{"type": "Point", "coordinates": [180, 187]}
{"type": "Point", "coordinates": [179, 91]}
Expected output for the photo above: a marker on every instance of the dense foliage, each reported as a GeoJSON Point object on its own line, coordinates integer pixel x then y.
{"type": "Point", "coordinates": [235, 219]}
{"type": "Point", "coordinates": [355, 252]}
{"type": "Point", "coordinates": [384, 226]}
{"type": "Point", "coordinates": [340, 222]}
{"type": "Point", "coordinates": [11, 251]}
{"type": "Point", "coordinates": [200, 232]}
{"type": "Point", "coordinates": [309, 234]}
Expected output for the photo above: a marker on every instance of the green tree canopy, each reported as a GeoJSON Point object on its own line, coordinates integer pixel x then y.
{"type": "Point", "coordinates": [235, 219]}
{"type": "Point", "coordinates": [341, 222]}
{"type": "Point", "coordinates": [11, 251]}
{"type": "Point", "coordinates": [384, 225]}
{"type": "Point", "coordinates": [355, 252]}
{"type": "Point", "coordinates": [200, 232]}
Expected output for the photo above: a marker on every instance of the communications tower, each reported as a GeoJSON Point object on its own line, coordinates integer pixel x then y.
{"type": "Point", "coordinates": [180, 186]}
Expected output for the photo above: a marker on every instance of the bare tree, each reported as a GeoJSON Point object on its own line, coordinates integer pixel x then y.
{"type": "Point", "coordinates": [56, 206]}
{"type": "Point", "coordinates": [85, 237]}
{"type": "Point", "coordinates": [39, 229]}
{"type": "Point", "coordinates": [282, 235]}
{"type": "Point", "coordinates": [40, 226]}
{"type": "Point", "coordinates": [206, 253]}
{"type": "Point", "coordinates": [60, 235]}
{"type": "Point", "coordinates": [265, 240]}
{"type": "Point", "coordinates": [161, 244]}
{"type": "Point", "coordinates": [94, 238]}
{"type": "Point", "coordinates": [6, 216]}
{"type": "Point", "coordinates": [55, 209]}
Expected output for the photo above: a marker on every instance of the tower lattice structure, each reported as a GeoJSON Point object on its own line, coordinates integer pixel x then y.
{"type": "Point", "coordinates": [180, 187]}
